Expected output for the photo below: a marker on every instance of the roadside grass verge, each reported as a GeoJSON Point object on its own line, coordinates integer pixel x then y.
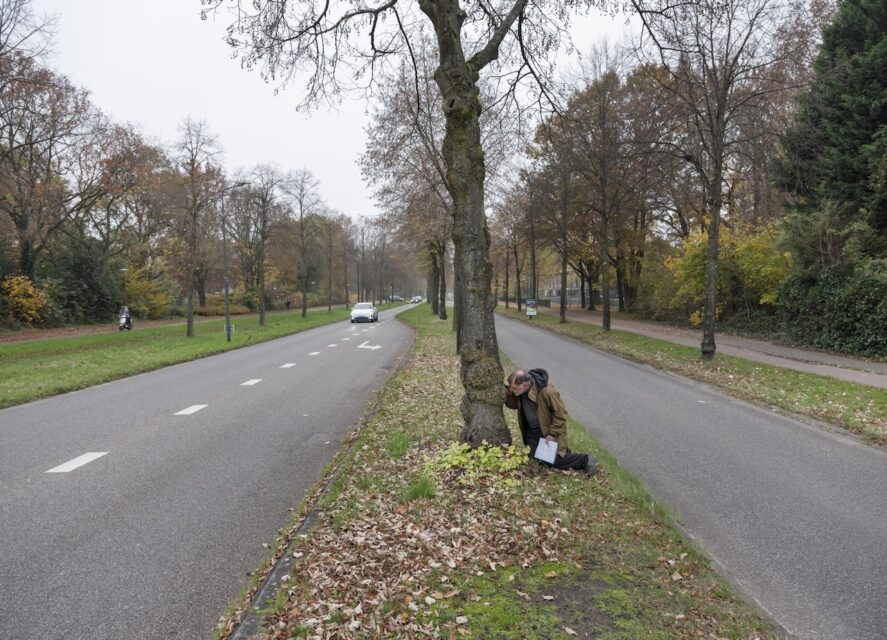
{"type": "Point", "coordinates": [41, 368]}
{"type": "Point", "coordinates": [418, 537]}
{"type": "Point", "coordinates": [858, 408]}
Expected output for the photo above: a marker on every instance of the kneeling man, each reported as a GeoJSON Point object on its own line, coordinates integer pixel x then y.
{"type": "Point", "coordinates": [541, 414]}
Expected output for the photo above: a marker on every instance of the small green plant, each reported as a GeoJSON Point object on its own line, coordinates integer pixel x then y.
{"type": "Point", "coordinates": [397, 444]}
{"type": "Point", "coordinates": [277, 605]}
{"type": "Point", "coordinates": [421, 487]}
{"type": "Point", "coordinates": [483, 460]}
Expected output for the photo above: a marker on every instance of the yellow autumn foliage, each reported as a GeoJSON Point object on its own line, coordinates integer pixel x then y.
{"type": "Point", "coordinates": [24, 300]}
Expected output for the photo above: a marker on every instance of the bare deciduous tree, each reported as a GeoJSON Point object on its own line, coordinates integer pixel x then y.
{"type": "Point", "coordinates": [723, 61]}
{"type": "Point", "coordinates": [305, 206]}
{"type": "Point", "coordinates": [345, 44]}
{"type": "Point", "coordinates": [201, 182]}
{"type": "Point", "coordinates": [268, 184]}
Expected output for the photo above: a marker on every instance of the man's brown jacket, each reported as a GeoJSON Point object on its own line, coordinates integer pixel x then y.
{"type": "Point", "coordinates": [550, 408]}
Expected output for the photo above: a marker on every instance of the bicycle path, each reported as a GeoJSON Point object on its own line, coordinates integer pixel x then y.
{"type": "Point", "coordinates": [856, 370]}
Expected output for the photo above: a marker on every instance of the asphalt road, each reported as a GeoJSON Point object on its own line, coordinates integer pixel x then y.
{"type": "Point", "coordinates": [155, 538]}
{"type": "Point", "coordinates": [794, 514]}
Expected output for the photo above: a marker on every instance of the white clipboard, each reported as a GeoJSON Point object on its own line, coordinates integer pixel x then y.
{"type": "Point", "coordinates": [546, 451]}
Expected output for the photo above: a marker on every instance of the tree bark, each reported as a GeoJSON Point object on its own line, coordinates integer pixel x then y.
{"type": "Point", "coordinates": [481, 371]}
{"type": "Point", "coordinates": [563, 310]}
{"type": "Point", "coordinates": [605, 276]}
{"type": "Point", "coordinates": [434, 285]}
{"type": "Point", "coordinates": [261, 287]}
{"type": "Point", "coordinates": [531, 239]}
{"type": "Point", "coordinates": [620, 279]}
{"type": "Point", "coordinates": [517, 292]}
{"type": "Point", "coordinates": [581, 290]}
{"type": "Point", "coordinates": [507, 267]}
{"type": "Point", "coordinates": [442, 280]}
{"type": "Point", "coordinates": [711, 271]}
{"type": "Point", "coordinates": [457, 307]}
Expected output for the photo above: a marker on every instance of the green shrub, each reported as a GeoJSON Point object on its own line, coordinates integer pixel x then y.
{"type": "Point", "coordinates": [248, 299]}
{"type": "Point", "coordinates": [24, 301]}
{"type": "Point", "coordinates": [843, 308]}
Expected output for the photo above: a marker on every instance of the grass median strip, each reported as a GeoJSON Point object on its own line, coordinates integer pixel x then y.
{"type": "Point", "coordinates": [858, 408]}
{"type": "Point", "coordinates": [42, 368]}
{"type": "Point", "coordinates": [421, 537]}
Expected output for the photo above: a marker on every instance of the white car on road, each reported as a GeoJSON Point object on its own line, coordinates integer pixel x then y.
{"type": "Point", "coordinates": [364, 312]}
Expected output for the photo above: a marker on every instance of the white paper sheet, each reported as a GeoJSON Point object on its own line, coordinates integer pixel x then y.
{"type": "Point", "coordinates": [546, 451]}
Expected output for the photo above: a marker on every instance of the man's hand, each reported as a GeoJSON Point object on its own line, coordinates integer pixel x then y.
{"type": "Point", "coordinates": [551, 438]}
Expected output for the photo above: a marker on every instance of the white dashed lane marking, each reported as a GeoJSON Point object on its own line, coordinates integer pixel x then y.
{"type": "Point", "coordinates": [194, 408]}
{"type": "Point", "coordinates": [79, 461]}
{"type": "Point", "coordinates": [288, 365]}
{"type": "Point", "coordinates": [332, 345]}
{"type": "Point", "coordinates": [250, 383]}
{"type": "Point", "coordinates": [314, 353]}
{"type": "Point", "coordinates": [346, 338]}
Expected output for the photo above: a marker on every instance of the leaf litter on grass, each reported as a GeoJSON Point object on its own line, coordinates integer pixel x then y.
{"type": "Point", "coordinates": [487, 557]}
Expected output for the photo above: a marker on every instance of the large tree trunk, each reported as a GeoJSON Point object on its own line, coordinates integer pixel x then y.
{"type": "Point", "coordinates": [517, 291]}
{"type": "Point", "coordinates": [563, 310]}
{"type": "Point", "coordinates": [434, 285]}
{"type": "Point", "coordinates": [345, 275]}
{"type": "Point", "coordinates": [481, 371]}
{"type": "Point", "coordinates": [507, 267]}
{"type": "Point", "coordinates": [620, 279]}
{"type": "Point", "coordinates": [261, 289]}
{"type": "Point", "coordinates": [457, 307]}
{"type": "Point", "coordinates": [711, 270]}
{"type": "Point", "coordinates": [192, 265]}
{"type": "Point", "coordinates": [605, 277]}
{"type": "Point", "coordinates": [442, 280]}
{"type": "Point", "coordinates": [27, 257]}
{"type": "Point", "coordinates": [534, 276]}
{"type": "Point", "coordinates": [582, 279]}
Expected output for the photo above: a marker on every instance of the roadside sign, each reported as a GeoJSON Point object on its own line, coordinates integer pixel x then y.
{"type": "Point", "coordinates": [229, 328]}
{"type": "Point", "coordinates": [531, 308]}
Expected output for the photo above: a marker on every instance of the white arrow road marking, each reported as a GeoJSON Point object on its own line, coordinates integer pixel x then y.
{"type": "Point", "coordinates": [314, 353]}
{"type": "Point", "coordinates": [194, 408]}
{"type": "Point", "coordinates": [364, 344]}
{"type": "Point", "coordinates": [250, 383]}
{"type": "Point", "coordinates": [79, 461]}
{"type": "Point", "coordinates": [288, 365]}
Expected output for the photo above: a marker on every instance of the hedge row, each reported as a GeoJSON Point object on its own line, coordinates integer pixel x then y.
{"type": "Point", "coordinates": [841, 309]}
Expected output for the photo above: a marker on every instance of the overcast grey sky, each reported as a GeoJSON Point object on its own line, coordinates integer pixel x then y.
{"type": "Point", "coordinates": [155, 63]}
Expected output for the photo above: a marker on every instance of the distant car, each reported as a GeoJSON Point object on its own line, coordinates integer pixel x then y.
{"type": "Point", "coordinates": [396, 299]}
{"type": "Point", "coordinates": [416, 299]}
{"type": "Point", "coordinates": [364, 312]}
